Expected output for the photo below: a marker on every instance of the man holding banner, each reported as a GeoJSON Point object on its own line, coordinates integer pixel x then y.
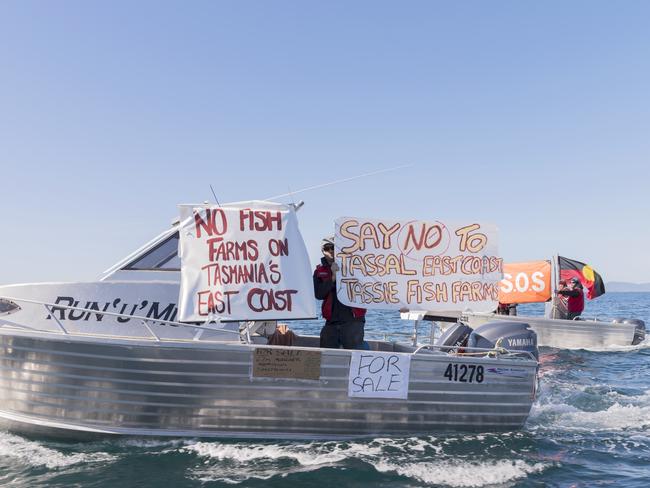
{"type": "Point", "coordinates": [343, 325]}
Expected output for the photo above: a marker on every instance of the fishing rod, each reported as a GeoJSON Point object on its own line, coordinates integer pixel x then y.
{"type": "Point", "coordinates": [336, 182]}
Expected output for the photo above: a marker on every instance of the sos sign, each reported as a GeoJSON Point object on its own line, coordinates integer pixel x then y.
{"type": "Point", "coordinates": [528, 282]}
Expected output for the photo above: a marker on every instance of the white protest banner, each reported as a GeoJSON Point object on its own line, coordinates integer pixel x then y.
{"type": "Point", "coordinates": [243, 261]}
{"type": "Point", "coordinates": [391, 264]}
{"type": "Point", "coordinates": [379, 375]}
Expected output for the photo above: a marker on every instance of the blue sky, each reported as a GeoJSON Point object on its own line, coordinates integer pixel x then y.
{"type": "Point", "coordinates": [531, 115]}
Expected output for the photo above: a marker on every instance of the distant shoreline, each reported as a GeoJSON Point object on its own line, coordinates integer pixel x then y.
{"type": "Point", "coordinates": [626, 291]}
{"type": "Point", "coordinates": [622, 286]}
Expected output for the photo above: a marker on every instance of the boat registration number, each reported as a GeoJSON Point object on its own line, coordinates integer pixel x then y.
{"type": "Point", "coordinates": [465, 373]}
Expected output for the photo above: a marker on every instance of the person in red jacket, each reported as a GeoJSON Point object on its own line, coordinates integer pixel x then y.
{"type": "Point", "coordinates": [343, 325]}
{"type": "Point", "coordinates": [575, 298]}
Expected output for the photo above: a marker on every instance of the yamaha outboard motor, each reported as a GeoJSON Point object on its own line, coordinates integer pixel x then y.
{"type": "Point", "coordinates": [514, 336]}
{"type": "Point", "coordinates": [639, 330]}
{"type": "Point", "coordinates": [455, 337]}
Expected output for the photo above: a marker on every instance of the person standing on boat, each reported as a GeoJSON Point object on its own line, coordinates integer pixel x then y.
{"type": "Point", "coordinates": [506, 309]}
{"type": "Point", "coordinates": [343, 325]}
{"type": "Point", "coordinates": [575, 298]}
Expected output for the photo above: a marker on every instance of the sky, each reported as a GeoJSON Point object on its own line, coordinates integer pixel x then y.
{"type": "Point", "coordinates": [534, 116]}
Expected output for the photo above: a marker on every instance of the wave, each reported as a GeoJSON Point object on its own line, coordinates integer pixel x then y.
{"type": "Point", "coordinates": [35, 454]}
{"type": "Point", "coordinates": [236, 463]}
{"type": "Point", "coordinates": [310, 454]}
{"type": "Point", "coordinates": [461, 474]}
{"type": "Point", "coordinates": [623, 412]}
{"type": "Point", "coordinates": [645, 344]}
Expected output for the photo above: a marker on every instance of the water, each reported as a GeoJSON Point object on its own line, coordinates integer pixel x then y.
{"type": "Point", "coordinates": [590, 426]}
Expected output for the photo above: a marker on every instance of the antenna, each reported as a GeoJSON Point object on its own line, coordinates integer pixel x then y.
{"type": "Point", "coordinates": [214, 195]}
{"type": "Point", "coordinates": [291, 194]}
{"type": "Point", "coordinates": [298, 206]}
{"type": "Point", "coordinates": [323, 185]}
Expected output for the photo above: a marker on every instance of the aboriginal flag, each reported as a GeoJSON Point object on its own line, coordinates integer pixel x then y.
{"type": "Point", "coordinates": [585, 273]}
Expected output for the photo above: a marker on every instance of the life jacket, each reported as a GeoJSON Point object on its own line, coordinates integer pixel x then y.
{"type": "Point", "coordinates": [324, 273]}
{"type": "Point", "coordinates": [576, 304]}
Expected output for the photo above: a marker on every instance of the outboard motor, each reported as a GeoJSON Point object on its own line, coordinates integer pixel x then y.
{"type": "Point", "coordinates": [639, 330]}
{"type": "Point", "coordinates": [514, 336]}
{"type": "Point", "coordinates": [455, 337]}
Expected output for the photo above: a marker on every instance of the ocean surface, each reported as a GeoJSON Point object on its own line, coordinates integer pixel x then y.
{"type": "Point", "coordinates": [590, 426]}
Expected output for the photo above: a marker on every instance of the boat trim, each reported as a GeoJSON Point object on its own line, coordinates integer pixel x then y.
{"type": "Point", "coordinates": [41, 422]}
{"type": "Point", "coordinates": [244, 335]}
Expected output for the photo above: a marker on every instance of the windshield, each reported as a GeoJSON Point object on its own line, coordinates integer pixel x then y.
{"type": "Point", "coordinates": [163, 257]}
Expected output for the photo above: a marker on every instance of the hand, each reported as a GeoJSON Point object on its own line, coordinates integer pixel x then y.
{"type": "Point", "coordinates": [334, 267]}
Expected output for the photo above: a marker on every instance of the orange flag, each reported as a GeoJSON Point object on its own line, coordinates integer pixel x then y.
{"type": "Point", "coordinates": [528, 282]}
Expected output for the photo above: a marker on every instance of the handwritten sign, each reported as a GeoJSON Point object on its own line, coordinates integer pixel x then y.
{"type": "Point", "coordinates": [379, 375]}
{"type": "Point", "coordinates": [244, 261]}
{"type": "Point", "coordinates": [528, 282]}
{"type": "Point", "coordinates": [286, 363]}
{"type": "Point", "coordinates": [389, 264]}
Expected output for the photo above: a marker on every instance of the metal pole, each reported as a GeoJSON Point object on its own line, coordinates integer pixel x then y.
{"type": "Point", "coordinates": [432, 334]}
{"type": "Point", "coordinates": [155, 336]}
{"type": "Point", "coordinates": [49, 310]}
{"type": "Point", "coordinates": [415, 332]}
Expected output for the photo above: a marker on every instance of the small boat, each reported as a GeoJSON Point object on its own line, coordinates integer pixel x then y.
{"type": "Point", "coordinates": [537, 281]}
{"type": "Point", "coordinates": [572, 334]}
{"type": "Point", "coordinates": [110, 357]}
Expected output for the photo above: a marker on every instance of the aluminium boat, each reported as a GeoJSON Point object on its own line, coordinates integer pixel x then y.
{"type": "Point", "coordinates": [539, 282]}
{"type": "Point", "coordinates": [110, 357]}
{"type": "Point", "coordinates": [572, 334]}
{"type": "Point", "coordinates": [557, 333]}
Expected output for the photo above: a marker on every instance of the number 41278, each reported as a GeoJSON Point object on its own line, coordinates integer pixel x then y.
{"type": "Point", "coordinates": [465, 373]}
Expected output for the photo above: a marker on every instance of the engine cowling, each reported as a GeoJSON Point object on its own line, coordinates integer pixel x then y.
{"type": "Point", "coordinates": [455, 337]}
{"type": "Point", "coordinates": [639, 330]}
{"type": "Point", "coordinates": [514, 336]}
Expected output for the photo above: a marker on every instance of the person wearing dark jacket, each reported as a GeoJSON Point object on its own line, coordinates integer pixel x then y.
{"type": "Point", "coordinates": [506, 309]}
{"type": "Point", "coordinates": [343, 325]}
{"type": "Point", "coordinates": [575, 298]}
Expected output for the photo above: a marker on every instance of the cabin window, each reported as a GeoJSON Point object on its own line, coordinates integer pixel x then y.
{"type": "Point", "coordinates": [163, 257]}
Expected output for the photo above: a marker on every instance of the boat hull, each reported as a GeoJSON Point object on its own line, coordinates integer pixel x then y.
{"type": "Point", "coordinates": [569, 334]}
{"type": "Point", "coordinates": [77, 387]}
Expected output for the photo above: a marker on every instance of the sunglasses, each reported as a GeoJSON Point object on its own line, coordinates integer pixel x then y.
{"type": "Point", "coordinates": [328, 247]}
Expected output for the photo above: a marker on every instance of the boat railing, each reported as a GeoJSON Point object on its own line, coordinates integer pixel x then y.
{"type": "Point", "coordinates": [413, 337]}
{"type": "Point", "coordinates": [244, 334]}
{"type": "Point", "coordinates": [455, 350]}
{"type": "Point", "coordinates": [479, 351]}
{"type": "Point", "coordinates": [146, 322]}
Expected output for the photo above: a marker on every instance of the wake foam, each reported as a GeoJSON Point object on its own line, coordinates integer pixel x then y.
{"type": "Point", "coordinates": [644, 344]}
{"type": "Point", "coordinates": [235, 463]}
{"type": "Point", "coordinates": [459, 474]}
{"type": "Point", "coordinates": [305, 454]}
{"type": "Point", "coordinates": [626, 413]}
{"type": "Point", "coordinates": [35, 454]}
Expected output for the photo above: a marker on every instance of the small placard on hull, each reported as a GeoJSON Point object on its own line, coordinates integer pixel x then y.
{"type": "Point", "coordinates": [286, 363]}
{"type": "Point", "coordinates": [375, 374]}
